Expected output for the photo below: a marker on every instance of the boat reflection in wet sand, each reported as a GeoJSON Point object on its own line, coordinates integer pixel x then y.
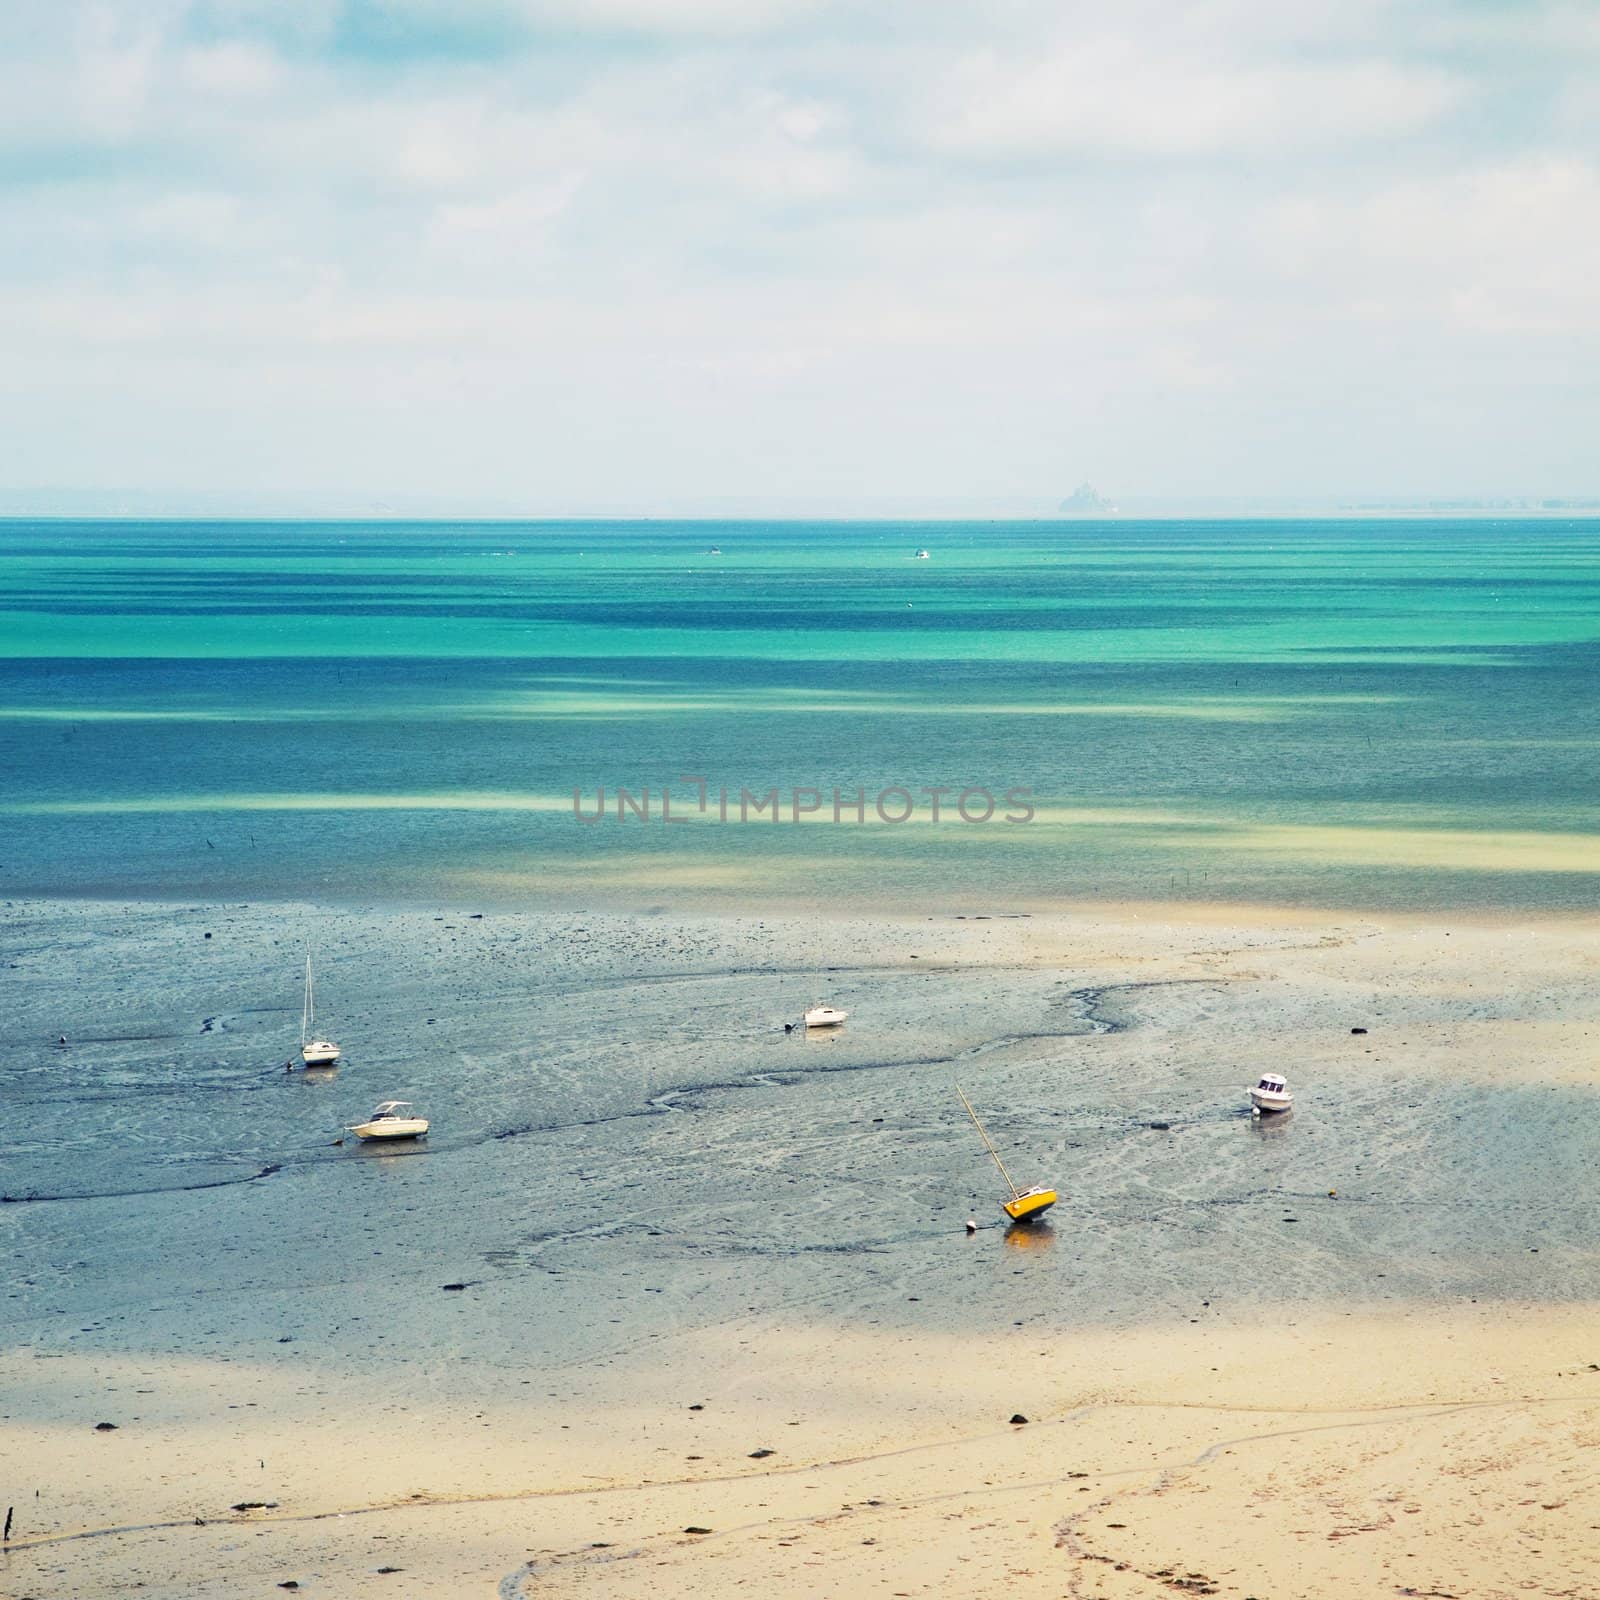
{"type": "Point", "coordinates": [1025, 1205]}
{"type": "Point", "coordinates": [1036, 1236]}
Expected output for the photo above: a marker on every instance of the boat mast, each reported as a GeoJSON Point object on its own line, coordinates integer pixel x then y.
{"type": "Point", "coordinates": [307, 1006]}
{"type": "Point", "coordinates": [988, 1144]}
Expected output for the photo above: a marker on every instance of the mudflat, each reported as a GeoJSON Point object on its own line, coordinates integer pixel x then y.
{"type": "Point", "coordinates": [662, 1266]}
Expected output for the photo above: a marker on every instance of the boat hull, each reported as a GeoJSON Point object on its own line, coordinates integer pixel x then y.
{"type": "Point", "coordinates": [319, 1053]}
{"type": "Point", "coordinates": [391, 1128]}
{"type": "Point", "coordinates": [1029, 1207]}
{"type": "Point", "coordinates": [1267, 1104]}
{"type": "Point", "coordinates": [825, 1017]}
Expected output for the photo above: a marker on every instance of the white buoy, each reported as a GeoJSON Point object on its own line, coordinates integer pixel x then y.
{"type": "Point", "coordinates": [972, 1224]}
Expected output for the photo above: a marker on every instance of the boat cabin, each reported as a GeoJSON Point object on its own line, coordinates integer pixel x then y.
{"type": "Point", "coordinates": [390, 1108]}
{"type": "Point", "coordinates": [1272, 1083]}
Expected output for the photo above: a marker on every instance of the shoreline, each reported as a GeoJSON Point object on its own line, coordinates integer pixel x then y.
{"type": "Point", "coordinates": [836, 910]}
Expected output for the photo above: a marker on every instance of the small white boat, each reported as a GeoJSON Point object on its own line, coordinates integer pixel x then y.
{"type": "Point", "coordinates": [1271, 1094]}
{"type": "Point", "coordinates": [821, 1016]}
{"type": "Point", "coordinates": [314, 1052]}
{"type": "Point", "coordinates": [921, 555]}
{"type": "Point", "coordinates": [391, 1119]}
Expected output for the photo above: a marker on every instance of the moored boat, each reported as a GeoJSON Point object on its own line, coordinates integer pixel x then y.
{"type": "Point", "coordinates": [1271, 1094]}
{"type": "Point", "coordinates": [1025, 1205]}
{"type": "Point", "coordinates": [391, 1119]}
{"type": "Point", "coordinates": [1031, 1203]}
{"type": "Point", "coordinates": [314, 1052]}
{"type": "Point", "coordinates": [824, 1016]}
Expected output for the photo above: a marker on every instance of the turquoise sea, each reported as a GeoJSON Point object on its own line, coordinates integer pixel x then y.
{"type": "Point", "coordinates": [1351, 713]}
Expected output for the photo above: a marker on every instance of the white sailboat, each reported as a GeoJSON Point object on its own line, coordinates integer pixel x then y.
{"type": "Point", "coordinates": [314, 1052]}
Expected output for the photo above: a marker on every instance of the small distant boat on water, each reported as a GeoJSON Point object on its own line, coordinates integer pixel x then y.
{"type": "Point", "coordinates": [825, 1016]}
{"type": "Point", "coordinates": [391, 1119]}
{"type": "Point", "coordinates": [921, 555]}
{"type": "Point", "coordinates": [314, 1052]}
{"type": "Point", "coordinates": [714, 550]}
{"type": "Point", "coordinates": [1270, 1095]}
{"type": "Point", "coordinates": [1025, 1205]}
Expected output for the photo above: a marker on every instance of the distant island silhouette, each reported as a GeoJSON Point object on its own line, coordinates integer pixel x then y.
{"type": "Point", "coordinates": [1086, 498]}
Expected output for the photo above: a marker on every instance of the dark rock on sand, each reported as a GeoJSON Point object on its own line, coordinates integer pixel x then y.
{"type": "Point", "coordinates": [1017, 1416]}
{"type": "Point", "coordinates": [105, 1427]}
{"type": "Point", "coordinates": [757, 1455]}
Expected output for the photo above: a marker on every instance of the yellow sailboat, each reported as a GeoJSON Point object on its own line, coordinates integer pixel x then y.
{"type": "Point", "coordinates": [1025, 1205]}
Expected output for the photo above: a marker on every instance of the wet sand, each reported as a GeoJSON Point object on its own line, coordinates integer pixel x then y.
{"type": "Point", "coordinates": [656, 1200]}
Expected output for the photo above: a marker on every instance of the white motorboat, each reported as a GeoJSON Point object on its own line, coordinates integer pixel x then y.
{"type": "Point", "coordinates": [391, 1119]}
{"type": "Point", "coordinates": [921, 555]}
{"type": "Point", "coordinates": [1271, 1094]}
{"type": "Point", "coordinates": [314, 1052]}
{"type": "Point", "coordinates": [823, 1016]}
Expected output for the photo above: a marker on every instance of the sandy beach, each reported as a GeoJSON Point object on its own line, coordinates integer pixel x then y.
{"type": "Point", "coordinates": [544, 543]}
{"type": "Point", "coordinates": [663, 1267]}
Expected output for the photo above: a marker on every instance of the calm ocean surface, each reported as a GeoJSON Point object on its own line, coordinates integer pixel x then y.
{"type": "Point", "coordinates": [1356, 713]}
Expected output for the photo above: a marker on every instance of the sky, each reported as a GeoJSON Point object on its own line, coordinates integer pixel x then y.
{"type": "Point", "coordinates": [673, 256]}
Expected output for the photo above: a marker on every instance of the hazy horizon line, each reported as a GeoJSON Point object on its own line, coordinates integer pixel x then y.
{"type": "Point", "coordinates": [138, 506]}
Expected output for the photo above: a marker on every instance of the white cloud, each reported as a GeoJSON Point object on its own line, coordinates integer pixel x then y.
{"type": "Point", "coordinates": [195, 218]}
{"type": "Point", "coordinates": [919, 238]}
{"type": "Point", "coordinates": [670, 18]}
{"type": "Point", "coordinates": [511, 227]}
{"type": "Point", "coordinates": [234, 68]}
{"type": "Point", "coordinates": [1505, 249]}
{"type": "Point", "coordinates": [115, 69]}
{"type": "Point", "coordinates": [1113, 95]}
